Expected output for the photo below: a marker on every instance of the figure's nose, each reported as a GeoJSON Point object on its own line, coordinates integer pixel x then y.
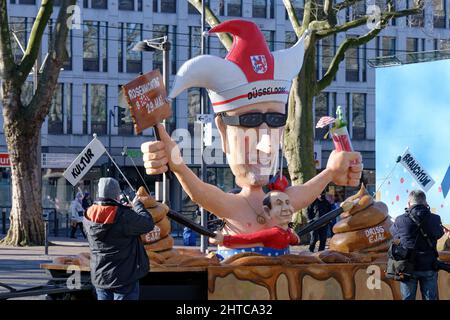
{"type": "Point", "coordinates": [264, 143]}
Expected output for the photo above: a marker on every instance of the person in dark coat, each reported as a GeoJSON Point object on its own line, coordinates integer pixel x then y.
{"type": "Point", "coordinates": [87, 201]}
{"type": "Point", "coordinates": [118, 257]}
{"type": "Point", "coordinates": [425, 256]}
{"type": "Point", "coordinates": [318, 208]}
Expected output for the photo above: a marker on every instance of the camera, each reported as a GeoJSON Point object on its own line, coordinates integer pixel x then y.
{"type": "Point", "coordinates": [441, 265]}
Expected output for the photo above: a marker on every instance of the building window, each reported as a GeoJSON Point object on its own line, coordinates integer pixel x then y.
{"type": "Point", "coordinates": [194, 41]}
{"type": "Point", "coordinates": [412, 46]}
{"type": "Point", "coordinates": [31, 2]}
{"type": "Point", "coordinates": [358, 107]}
{"type": "Point", "coordinates": [20, 27]}
{"type": "Point", "coordinates": [173, 49]}
{"type": "Point", "coordinates": [359, 10]}
{"type": "Point", "coordinates": [388, 46]}
{"type": "Point", "coordinates": [352, 64]}
{"type": "Point", "coordinates": [51, 26]}
{"type": "Point", "coordinates": [193, 108]}
{"type": "Point", "coordinates": [321, 109]}
{"type": "Point", "coordinates": [95, 109]}
{"type": "Point", "coordinates": [298, 6]}
{"type": "Point", "coordinates": [233, 8]}
{"type": "Point", "coordinates": [259, 9]}
{"type": "Point", "coordinates": [126, 127]}
{"type": "Point", "coordinates": [56, 113]}
{"type": "Point", "coordinates": [290, 38]}
{"type": "Point", "coordinates": [416, 20]}
{"type": "Point", "coordinates": [60, 113]}
{"type": "Point", "coordinates": [95, 46]}
{"type": "Point", "coordinates": [68, 106]}
{"type": "Point", "coordinates": [84, 107]}
{"type": "Point", "coordinates": [270, 38]}
{"type": "Point", "coordinates": [165, 6]}
{"type": "Point", "coordinates": [98, 104]}
{"type": "Point", "coordinates": [95, 4]}
{"type": "Point", "coordinates": [328, 52]}
{"type": "Point", "coordinates": [272, 9]}
{"type": "Point", "coordinates": [130, 34]}
{"type": "Point", "coordinates": [441, 44]}
{"type": "Point", "coordinates": [126, 5]}
{"type": "Point", "coordinates": [439, 13]}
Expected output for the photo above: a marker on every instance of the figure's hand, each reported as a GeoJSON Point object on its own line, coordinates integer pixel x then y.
{"type": "Point", "coordinates": [158, 155]}
{"type": "Point", "coordinates": [218, 239]}
{"type": "Point", "coordinates": [345, 168]}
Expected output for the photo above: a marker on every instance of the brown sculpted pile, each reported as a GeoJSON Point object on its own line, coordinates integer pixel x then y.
{"type": "Point", "coordinates": [159, 242]}
{"type": "Point", "coordinates": [364, 229]}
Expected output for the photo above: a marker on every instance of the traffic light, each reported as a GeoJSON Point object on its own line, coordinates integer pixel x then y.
{"type": "Point", "coordinates": [121, 116]}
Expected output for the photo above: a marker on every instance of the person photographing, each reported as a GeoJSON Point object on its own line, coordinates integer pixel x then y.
{"type": "Point", "coordinates": [118, 257]}
{"type": "Point", "coordinates": [416, 232]}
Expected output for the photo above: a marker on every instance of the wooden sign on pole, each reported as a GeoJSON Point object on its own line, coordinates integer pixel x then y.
{"type": "Point", "coordinates": [147, 99]}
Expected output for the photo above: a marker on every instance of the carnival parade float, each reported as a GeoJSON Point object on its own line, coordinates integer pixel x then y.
{"type": "Point", "coordinates": [257, 256]}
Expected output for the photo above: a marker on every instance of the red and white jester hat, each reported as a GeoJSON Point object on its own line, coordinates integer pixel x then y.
{"type": "Point", "coordinates": [249, 74]}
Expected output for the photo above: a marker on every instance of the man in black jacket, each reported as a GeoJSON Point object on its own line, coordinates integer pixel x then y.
{"type": "Point", "coordinates": [118, 257]}
{"type": "Point", "coordinates": [424, 256]}
{"type": "Point", "coordinates": [318, 208]}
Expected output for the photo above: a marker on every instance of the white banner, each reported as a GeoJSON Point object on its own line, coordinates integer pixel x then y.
{"type": "Point", "coordinates": [85, 160]}
{"type": "Point", "coordinates": [416, 170]}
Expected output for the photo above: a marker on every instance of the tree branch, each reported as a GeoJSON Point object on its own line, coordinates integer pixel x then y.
{"type": "Point", "coordinates": [341, 28]}
{"type": "Point", "coordinates": [293, 17]}
{"type": "Point", "coordinates": [340, 54]}
{"type": "Point", "coordinates": [213, 21]}
{"type": "Point", "coordinates": [34, 42]}
{"type": "Point", "coordinates": [57, 55]}
{"type": "Point", "coordinates": [7, 65]}
{"type": "Point", "coordinates": [345, 4]}
{"type": "Point", "coordinates": [363, 20]}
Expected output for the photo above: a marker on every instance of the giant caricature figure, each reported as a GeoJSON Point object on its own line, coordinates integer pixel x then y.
{"type": "Point", "coordinates": [248, 90]}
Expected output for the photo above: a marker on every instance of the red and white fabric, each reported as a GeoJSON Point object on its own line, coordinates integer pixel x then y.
{"type": "Point", "coordinates": [249, 74]}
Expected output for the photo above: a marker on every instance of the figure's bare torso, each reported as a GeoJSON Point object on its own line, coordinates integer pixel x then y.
{"type": "Point", "coordinates": [241, 218]}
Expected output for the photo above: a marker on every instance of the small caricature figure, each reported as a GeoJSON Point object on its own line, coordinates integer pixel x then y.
{"type": "Point", "coordinates": [272, 241]}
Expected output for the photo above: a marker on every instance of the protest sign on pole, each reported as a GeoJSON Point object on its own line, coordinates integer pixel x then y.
{"type": "Point", "coordinates": [147, 99]}
{"type": "Point", "coordinates": [418, 172]}
{"type": "Point", "coordinates": [84, 162]}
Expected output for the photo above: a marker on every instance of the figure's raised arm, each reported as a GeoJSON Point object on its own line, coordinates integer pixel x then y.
{"type": "Point", "coordinates": [159, 155]}
{"type": "Point", "coordinates": [343, 168]}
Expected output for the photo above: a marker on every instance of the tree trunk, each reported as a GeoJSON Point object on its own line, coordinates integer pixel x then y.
{"type": "Point", "coordinates": [22, 137]}
{"type": "Point", "coordinates": [299, 134]}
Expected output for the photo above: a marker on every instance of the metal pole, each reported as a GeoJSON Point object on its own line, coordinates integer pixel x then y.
{"type": "Point", "coordinates": [39, 146]}
{"type": "Point", "coordinates": [55, 222]}
{"type": "Point", "coordinates": [111, 115]}
{"type": "Point", "coordinates": [166, 56]}
{"type": "Point", "coordinates": [203, 104]}
{"type": "Point", "coordinates": [4, 220]}
{"type": "Point", "coordinates": [46, 236]}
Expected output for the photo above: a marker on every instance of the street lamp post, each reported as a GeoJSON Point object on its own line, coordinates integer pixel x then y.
{"type": "Point", "coordinates": [203, 107]}
{"type": "Point", "coordinates": [164, 45]}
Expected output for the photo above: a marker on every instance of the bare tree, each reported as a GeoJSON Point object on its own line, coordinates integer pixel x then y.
{"type": "Point", "coordinates": [23, 121]}
{"type": "Point", "coordinates": [321, 18]}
